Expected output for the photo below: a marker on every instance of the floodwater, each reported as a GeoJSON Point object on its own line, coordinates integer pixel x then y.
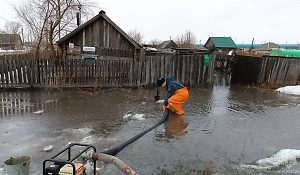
{"type": "Point", "coordinates": [224, 127]}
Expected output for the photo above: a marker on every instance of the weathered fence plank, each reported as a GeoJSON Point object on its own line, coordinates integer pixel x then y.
{"type": "Point", "coordinates": [148, 66]}
{"type": "Point", "coordinates": [19, 72]}
{"type": "Point", "coordinates": [15, 73]}
{"type": "Point", "coordinates": [10, 73]}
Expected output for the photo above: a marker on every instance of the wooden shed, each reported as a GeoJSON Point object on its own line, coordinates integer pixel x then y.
{"type": "Point", "coordinates": [99, 38]}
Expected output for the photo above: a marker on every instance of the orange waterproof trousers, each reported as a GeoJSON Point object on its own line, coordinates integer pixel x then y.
{"type": "Point", "coordinates": [178, 98]}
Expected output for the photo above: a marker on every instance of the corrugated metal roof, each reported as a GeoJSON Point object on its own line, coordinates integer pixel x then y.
{"type": "Point", "coordinates": [285, 53]}
{"type": "Point", "coordinates": [223, 42]}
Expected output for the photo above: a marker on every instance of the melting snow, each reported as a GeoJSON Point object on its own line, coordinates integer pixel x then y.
{"type": "Point", "coordinates": [160, 101]}
{"type": "Point", "coordinates": [284, 157]}
{"type": "Point", "coordinates": [136, 116]}
{"type": "Point", "coordinates": [39, 112]}
{"type": "Point", "coordinates": [126, 116]}
{"type": "Point", "coordinates": [48, 148]}
{"type": "Point", "coordinates": [139, 116]}
{"type": "Point", "coordinates": [295, 90]}
{"type": "Point", "coordinates": [2, 170]}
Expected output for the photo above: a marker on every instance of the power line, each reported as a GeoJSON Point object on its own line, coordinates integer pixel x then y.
{"type": "Point", "coordinates": [4, 19]}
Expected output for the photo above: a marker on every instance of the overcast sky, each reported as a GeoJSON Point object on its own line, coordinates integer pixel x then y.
{"type": "Point", "coordinates": [264, 20]}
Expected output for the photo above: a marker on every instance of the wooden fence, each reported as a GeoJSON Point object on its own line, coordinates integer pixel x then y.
{"type": "Point", "coordinates": [188, 69]}
{"type": "Point", "coordinates": [266, 70]}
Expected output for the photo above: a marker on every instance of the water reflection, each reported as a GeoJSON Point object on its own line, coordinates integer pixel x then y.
{"type": "Point", "coordinates": [222, 79]}
{"type": "Point", "coordinates": [22, 103]}
{"type": "Point", "coordinates": [175, 126]}
{"type": "Point", "coordinates": [221, 123]}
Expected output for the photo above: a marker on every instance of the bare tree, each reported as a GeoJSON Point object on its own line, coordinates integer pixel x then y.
{"type": "Point", "coordinates": [155, 42]}
{"type": "Point", "coordinates": [186, 40]}
{"type": "Point", "coordinates": [45, 20]}
{"type": "Point", "coordinates": [136, 36]}
{"type": "Point", "coordinates": [13, 28]}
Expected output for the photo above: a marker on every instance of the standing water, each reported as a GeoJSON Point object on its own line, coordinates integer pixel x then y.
{"type": "Point", "coordinates": [226, 129]}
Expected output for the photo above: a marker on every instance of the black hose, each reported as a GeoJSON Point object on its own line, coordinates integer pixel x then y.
{"type": "Point", "coordinates": [114, 151]}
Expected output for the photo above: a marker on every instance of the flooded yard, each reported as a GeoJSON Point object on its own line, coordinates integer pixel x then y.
{"type": "Point", "coordinates": [224, 127]}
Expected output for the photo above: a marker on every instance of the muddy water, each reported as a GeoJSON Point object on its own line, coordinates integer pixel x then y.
{"type": "Point", "coordinates": [223, 126]}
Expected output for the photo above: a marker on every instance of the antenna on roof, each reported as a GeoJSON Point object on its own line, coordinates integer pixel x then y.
{"type": "Point", "coordinates": [78, 15]}
{"type": "Point", "coordinates": [78, 18]}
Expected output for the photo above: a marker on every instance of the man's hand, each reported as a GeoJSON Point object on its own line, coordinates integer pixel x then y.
{"type": "Point", "coordinates": [164, 107]}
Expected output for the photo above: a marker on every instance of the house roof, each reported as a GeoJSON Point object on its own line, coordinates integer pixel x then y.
{"type": "Point", "coordinates": [222, 42]}
{"type": "Point", "coordinates": [285, 53]}
{"type": "Point", "coordinates": [200, 47]}
{"type": "Point", "coordinates": [267, 47]}
{"type": "Point", "coordinates": [10, 39]}
{"type": "Point", "coordinates": [164, 44]}
{"type": "Point", "coordinates": [95, 18]}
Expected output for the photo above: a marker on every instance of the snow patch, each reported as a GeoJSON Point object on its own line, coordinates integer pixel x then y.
{"type": "Point", "coordinates": [160, 101]}
{"type": "Point", "coordinates": [126, 116]}
{"type": "Point", "coordinates": [48, 148]}
{"type": "Point", "coordinates": [139, 116]}
{"type": "Point", "coordinates": [135, 117]}
{"type": "Point", "coordinates": [285, 157]}
{"type": "Point", "coordinates": [294, 90]}
{"type": "Point", "coordinates": [39, 112]}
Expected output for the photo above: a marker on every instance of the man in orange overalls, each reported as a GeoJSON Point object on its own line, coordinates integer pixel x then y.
{"type": "Point", "coordinates": [176, 96]}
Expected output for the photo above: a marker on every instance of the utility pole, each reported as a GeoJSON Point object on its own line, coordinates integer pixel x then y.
{"type": "Point", "coordinates": [22, 36]}
{"type": "Point", "coordinates": [78, 14]}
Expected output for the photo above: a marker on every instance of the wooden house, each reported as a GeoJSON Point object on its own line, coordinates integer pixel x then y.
{"type": "Point", "coordinates": [267, 47]}
{"type": "Point", "coordinates": [222, 44]}
{"type": "Point", "coordinates": [99, 38]}
{"type": "Point", "coordinates": [169, 44]}
{"type": "Point", "coordinates": [10, 41]}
